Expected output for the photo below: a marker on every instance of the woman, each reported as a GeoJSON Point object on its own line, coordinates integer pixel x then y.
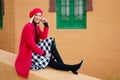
{"type": "Point", "coordinates": [36, 50]}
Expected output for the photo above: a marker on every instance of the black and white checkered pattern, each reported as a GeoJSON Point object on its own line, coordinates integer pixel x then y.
{"type": "Point", "coordinates": [40, 62]}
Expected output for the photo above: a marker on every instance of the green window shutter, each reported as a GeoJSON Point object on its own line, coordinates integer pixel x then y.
{"type": "Point", "coordinates": [1, 17]}
{"type": "Point", "coordinates": [0, 22]}
{"type": "Point", "coordinates": [71, 14]}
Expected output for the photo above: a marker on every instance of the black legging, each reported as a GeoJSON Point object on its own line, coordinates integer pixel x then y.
{"type": "Point", "coordinates": [61, 66]}
{"type": "Point", "coordinates": [57, 62]}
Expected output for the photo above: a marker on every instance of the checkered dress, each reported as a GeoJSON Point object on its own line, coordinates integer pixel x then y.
{"type": "Point", "coordinates": [40, 62]}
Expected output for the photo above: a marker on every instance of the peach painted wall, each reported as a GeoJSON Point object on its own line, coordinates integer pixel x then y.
{"type": "Point", "coordinates": [98, 45]}
{"type": "Point", "coordinates": [7, 34]}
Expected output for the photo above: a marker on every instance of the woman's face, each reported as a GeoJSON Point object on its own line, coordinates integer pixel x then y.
{"type": "Point", "coordinates": [37, 18]}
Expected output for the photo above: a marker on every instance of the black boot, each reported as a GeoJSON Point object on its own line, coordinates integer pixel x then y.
{"type": "Point", "coordinates": [74, 68]}
{"type": "Point", "coordinates": [65, 67]}
{"type": "Point", "coordinates": [55, 52]}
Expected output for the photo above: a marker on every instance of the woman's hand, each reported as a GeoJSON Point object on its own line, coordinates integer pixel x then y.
{"type": "Point", "coordinates": [48, 55]}
{"type": "Point", "coordinates": [43, 20]}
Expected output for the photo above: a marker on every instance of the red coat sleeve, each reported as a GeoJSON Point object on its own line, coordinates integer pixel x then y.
{"type": "Point", "coordinates": [30, 39]}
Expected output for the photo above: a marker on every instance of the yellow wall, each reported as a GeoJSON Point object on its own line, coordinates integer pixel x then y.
{"type": "Point", "coordinates": [98, 45]}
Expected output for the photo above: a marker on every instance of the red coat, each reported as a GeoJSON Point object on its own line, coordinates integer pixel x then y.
{"type": "Point", "coordinates": [27, 45]}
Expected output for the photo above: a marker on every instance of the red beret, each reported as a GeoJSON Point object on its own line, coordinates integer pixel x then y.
{"type": "Point", "coordinates": [34, 11]}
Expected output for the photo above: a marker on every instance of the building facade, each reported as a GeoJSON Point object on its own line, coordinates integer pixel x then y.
{"type": "Point", "coordinates": [97, 40]}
